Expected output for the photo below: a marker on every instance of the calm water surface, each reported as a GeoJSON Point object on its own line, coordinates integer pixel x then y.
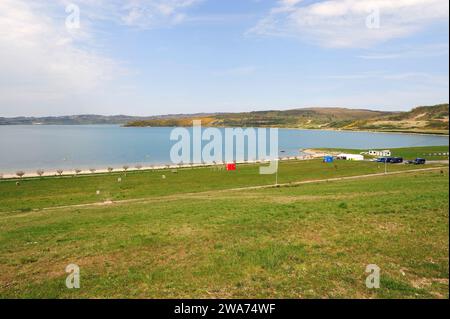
{"type": "Point", "coordinates": [98, 146]}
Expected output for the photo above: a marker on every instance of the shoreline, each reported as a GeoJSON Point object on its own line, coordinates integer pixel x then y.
{"type": "Point", "coordinates": [367, 131]}
{"type": "Point", "coordinates": [304, 154]}
{"type": "Point", "coordinates": [280, 128]}
{"type": "Point", "coordinates": [116, 170]}
{"type": "Point", "coordinates": [302, 129]}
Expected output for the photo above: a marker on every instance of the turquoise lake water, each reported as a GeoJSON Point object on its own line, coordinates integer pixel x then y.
{"type": "Point", "coordinates": [98, 146]}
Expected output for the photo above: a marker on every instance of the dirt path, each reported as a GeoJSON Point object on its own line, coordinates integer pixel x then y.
{"type": "Point", "coordinates": [212, 192]}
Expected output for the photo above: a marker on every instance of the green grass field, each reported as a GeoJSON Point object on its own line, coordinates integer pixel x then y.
{"type": "Point", "coordinates": [39, 193]}
{"type": "Point", "coordinates": [191, 235]}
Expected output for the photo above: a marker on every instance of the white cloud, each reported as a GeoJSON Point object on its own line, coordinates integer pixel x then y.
{"type": "Point", "coordinates": [351, 23]}
{"type": "Point", "coordinates": [40, 60]}
{"type": "Point", "coordinates": [47, 68]}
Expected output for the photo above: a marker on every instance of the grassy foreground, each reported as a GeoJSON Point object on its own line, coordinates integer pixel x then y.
{"type": "Point", "coordinates": [184, 236]}
{"type": "Point", "coordinates": [37, 193]}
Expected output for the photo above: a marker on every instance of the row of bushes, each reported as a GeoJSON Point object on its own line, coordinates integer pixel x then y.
{"type": "Point", "coordinates": [41, 172]}
{"type": "Point", "coordinates": [125, 168]}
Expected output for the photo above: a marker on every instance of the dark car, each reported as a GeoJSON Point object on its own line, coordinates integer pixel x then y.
{"type": "Point", "coordinates": [417, 161]}
{"type": "Point", "coordinates": [384, 159]}
{"type": "Point", "coordinates": [396, 160]}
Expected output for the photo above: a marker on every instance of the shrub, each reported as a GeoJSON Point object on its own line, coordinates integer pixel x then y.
{"type": "Point", "coordinates": [20, 173]}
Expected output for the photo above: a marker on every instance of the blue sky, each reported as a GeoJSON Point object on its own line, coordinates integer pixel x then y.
{"type": "Point", "coordinates": [146, 57]}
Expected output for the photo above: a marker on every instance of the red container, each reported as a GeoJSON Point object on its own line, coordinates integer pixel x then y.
{"type": "Point", "coordinates": [231, 167]}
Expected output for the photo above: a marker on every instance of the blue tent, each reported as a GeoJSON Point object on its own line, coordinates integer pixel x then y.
{"type": "Point", "coordinates": [328, 159]}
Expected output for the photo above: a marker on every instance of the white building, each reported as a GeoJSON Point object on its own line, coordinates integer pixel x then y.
{"type": "Point", "coordinates": [380, 153]}
{"type": "Point", "coordinates": [351, 157]}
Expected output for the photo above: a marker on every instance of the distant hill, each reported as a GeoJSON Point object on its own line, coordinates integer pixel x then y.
{"type": "Point", "coordinates": [84, 119]}
{"type": "Point", "coordinates": [424, 119]}
{"type": "Point", "coordinates": [304, 118]}
{"type": "Point", "coordinates": [69, 120]}
{"type": "Point", "coordinates": [298, 118]}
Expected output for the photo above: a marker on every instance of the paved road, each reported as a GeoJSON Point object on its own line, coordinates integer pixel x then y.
{"type": "Point", "coordinates": [438, 162]}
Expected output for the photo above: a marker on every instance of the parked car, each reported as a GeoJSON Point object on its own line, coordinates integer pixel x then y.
{"type": "Point", "coordinates": [396, 160]}
{"type": "Point", "coordinates": [392, 160]}
{"type": "Point", "coordinates": [417, 161]}
{"type": "Point", "coordinates": [420, 161]}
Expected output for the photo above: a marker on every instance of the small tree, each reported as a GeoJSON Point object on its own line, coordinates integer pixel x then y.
{"type": "Point", "coordinates": [110, 169]}
{"type": "Point", "coordinates": [40, 172]}
{"type": "Point", "coordinates": [77, 171]}
{"type": "Point", "coordinates": [1, 175]}
{"type": "Point", "coordinates": [138, 166]}
{"type": "Point", "coordinates": [20, 173]}
{"type": "Point", "coordinates": [60, 172]}
{"type": "Point", "coordinates": [125, 167]}
{"type": "Point", "coordinates": [92, 170]}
